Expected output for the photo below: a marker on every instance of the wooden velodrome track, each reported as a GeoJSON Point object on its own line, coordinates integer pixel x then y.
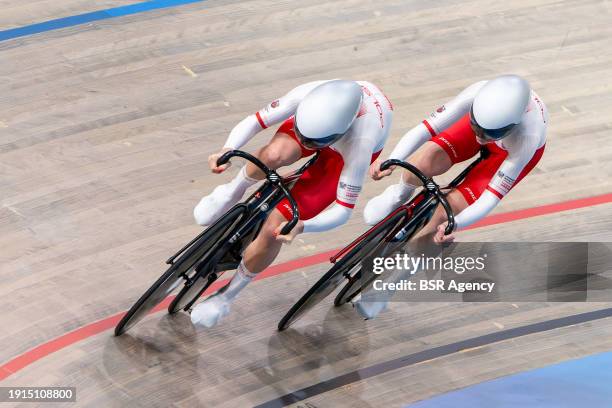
{"type": "Point", "coordinates": [104, 133]}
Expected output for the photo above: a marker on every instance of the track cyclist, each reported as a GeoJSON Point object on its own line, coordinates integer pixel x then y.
{"type": "Point", "coordinates": [505, 116]}
{"type": "Point", "coordinates": [348, 122]}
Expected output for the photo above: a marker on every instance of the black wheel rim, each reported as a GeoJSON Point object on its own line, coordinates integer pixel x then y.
{"type": "Point", "coordinates": [153, 299]}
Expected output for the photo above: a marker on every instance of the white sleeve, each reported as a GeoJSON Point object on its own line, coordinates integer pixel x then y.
{"type": "Point", "coordinates": [275, 112]}
{"type": "Point", "coordinates": [243, 132]}
{"type": "Point", "coordinates": [449, 113]}
{"type": "Point", "coordinates": [437, 122]}
{"type": "Point", "coordinates": [477, 211]}
{"type": "Point", "coordinates": [520, 151]}
{"type": "Point", "coordinates": [331, 218]}
{"type": "Point", "coordinates": [410, 142]}
{"type": "Point", "coordinates": [356, 163]}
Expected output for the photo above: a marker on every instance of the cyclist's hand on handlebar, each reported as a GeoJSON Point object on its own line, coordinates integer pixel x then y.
{"type": "Point", "coordinates": [376, 173]}
{"type": "Point", "coordinates": [287, 239]}
{"type": "Point", "coordinates": [212, 162]}
{"type": "Point", "coordinates": [440, 238]}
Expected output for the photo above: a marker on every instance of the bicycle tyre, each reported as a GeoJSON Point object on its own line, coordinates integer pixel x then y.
{"type": "Point", "coordinates": [191, 293]}
{"type": "Point", "coordinates": [162, 287]}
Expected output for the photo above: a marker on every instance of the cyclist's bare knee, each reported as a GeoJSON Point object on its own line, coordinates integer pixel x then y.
{"type": "Point", "coordinates": [264, 249]}
{"type": "Point", "coordinates": [267, 233]}
{"type": "Point", "coordinates": [431, 159]}
{"type": "Point", "coordinates": [456, 201]}
{"type": "Point", "coordinates": [281, 151]}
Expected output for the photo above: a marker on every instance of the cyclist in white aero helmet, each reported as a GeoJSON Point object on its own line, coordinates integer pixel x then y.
{"type": "Point", "coordinates": [503, 115]}
{"type": "Point", "coordinates": [327, 113]}
{"type": "Point", "coordinates": [498, 107]}
{"type": "Point", "coordinates": [347, 122]}
{"type": "Point", "coordinates": [320, 113]}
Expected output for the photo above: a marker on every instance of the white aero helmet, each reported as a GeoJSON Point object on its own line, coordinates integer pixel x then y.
{"type": "Point", "coordinates": [499, 106]}
{"type": "Point", "coordinates": [327, 112]}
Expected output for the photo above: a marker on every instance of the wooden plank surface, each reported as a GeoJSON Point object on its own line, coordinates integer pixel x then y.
{"type": "Point", "coordinates": [25, 12]}
{"type": "Point", "coordinates": [104, 133]}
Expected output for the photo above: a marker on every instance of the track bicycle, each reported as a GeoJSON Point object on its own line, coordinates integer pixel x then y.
{"type": "Point", "coordinates": [385, 237]}
{"type": "Point", "coordinates": [219, 247]}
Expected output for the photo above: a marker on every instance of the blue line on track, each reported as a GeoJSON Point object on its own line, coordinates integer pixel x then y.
{"type": "Point", "coordinates": [89, 17]}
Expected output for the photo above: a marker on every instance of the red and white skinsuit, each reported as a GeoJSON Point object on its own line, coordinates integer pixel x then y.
{"type": "Point", "coordinates": [337, 176]}
{"type": "Point", "coordinates": [510, 159]}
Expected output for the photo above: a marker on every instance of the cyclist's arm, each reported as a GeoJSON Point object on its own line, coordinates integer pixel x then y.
{"type": "Point", "coordinates": [477, 211]}
{"type": "Point", "coordinates": [275, 112]}
{"type": "Point", "coordinates": [498, 187]}
{"type": "Point", "coordinates": [357, 161]}
{"type": "Point", "coordinates": [438, 121]}
{"type": "Point", "coordinates": [329, 219]}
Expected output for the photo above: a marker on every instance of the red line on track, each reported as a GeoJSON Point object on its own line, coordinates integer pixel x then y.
{"type": "Point", "coordinates": [65, 340]}
{"type": "Point", "coordinates": [542, 210]}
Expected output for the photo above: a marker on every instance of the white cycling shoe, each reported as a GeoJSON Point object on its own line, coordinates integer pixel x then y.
{"type": "Point", "coordinates": [380, 206]}
{"type": "Point", "coordinates": [368, 310]}
{"type": "Point", "coordinates": [209, 312]}
{"type": "Point", "coordinates": [223, 197]}
{"type": "Point", "coordinates": [214, 205]}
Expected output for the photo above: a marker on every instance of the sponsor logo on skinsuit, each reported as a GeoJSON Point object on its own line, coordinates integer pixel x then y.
{"type": "Point", "coordinates": [502, 183]}
{"type": "Point", "coordinates": [348, 192]}
{"type": "Point", "coordinates": [541, 105]}
{"type": "Point", "coordinates": [471, 193]}
{"type": "Point", "coordinates": [434, 114]}
{"type": "Point", "coordinates": [274, 104]}
{"type": "Point", "coordinates": [349, 187]}
{"type": "Point", "coordinates": [380, 113]}
{"type": "Point", "coordinates": [450, 146]}
{"type": "Point", "coordinates": [379, 108]}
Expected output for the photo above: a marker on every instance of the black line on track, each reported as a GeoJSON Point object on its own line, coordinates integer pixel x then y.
{"type": "Point", "coordinates": [410, 359]}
